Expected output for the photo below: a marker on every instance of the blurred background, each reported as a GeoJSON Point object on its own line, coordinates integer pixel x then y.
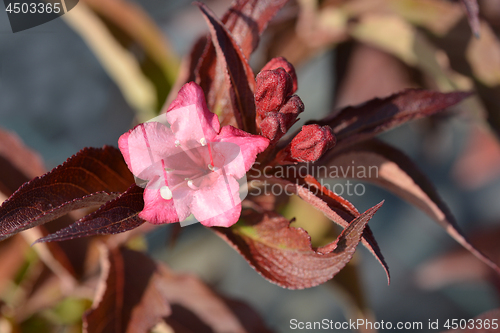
{"type": "Point", "coordinates": [59, 94]}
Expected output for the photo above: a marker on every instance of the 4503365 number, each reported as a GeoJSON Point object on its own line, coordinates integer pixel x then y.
{"type": "Point", "coordinates": [487, 324]}
{"type": "Point", "coordinates": [33, 8]}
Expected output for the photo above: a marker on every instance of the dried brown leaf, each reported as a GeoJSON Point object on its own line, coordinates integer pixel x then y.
{"type": "Point", "coordinates": [483, 55]}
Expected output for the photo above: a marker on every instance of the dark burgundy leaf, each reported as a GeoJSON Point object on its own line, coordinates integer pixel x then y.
{"type": "Point", "coordinates": [17, 165]}
{"type": "Point", "coordinates": [129, 297]}
{"type": "Point", "coordinates": [473, 15]}
{"type": "Point", "coordinates": [247, 19]}
{"type": "Point", "coordinates": [116, 216]}
{"type": "Point", "coordinates": [91, 177]}
{"type": "Point", "coordinates": [336, 208]}
{"type": "Point", "coordinates": [136, 293]}
{"type": "Point", "coordinates": [398, 174]}
{"type": "Point", "coordinates": [356, 123]}
{"type": "Point", "coordinates": [284, 255]}
{"type": "Point", "coordinates": [236, 83]}
{"type": "Point", "coordinates": [198, 309]}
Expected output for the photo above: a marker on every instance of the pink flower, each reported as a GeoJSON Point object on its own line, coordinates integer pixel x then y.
{"type": "Point", "coordinates": [191, 167]}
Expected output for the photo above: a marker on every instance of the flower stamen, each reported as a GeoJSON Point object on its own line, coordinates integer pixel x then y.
{"type": "Point", "coordinates": [211, 158]}
{"type": "Point", "coordinates": [191, 185]}
{"type": "Point", "coordinates": [165, 193]}
{"type": "Point", "coordinates": [178, 172]}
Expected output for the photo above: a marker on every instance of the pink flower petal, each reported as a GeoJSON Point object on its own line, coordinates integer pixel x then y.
{"type": "Point", "coordinates": [224, 220]}
{"type": "Point", "coordinates": [189, 116]}
{"type": "Point", "coordinates": [182, 198]}
{"type": "Point", "coordinates": [215, 205]}
{"type": "Point", "coordinates": [157, 210]}
{"type": "Point", "coordinates": [250, 145]}
{"type": "Point", "coordinates": [123, 146]}
{"type": "Point", "coordinates": [145, 145]}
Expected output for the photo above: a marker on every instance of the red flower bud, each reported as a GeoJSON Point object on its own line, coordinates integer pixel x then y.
{"type": "Point", "coordinates": [272, 89]}
{"type": "Point", "coordinates": [288, 67]}
{"type": "Point", "coordinates": [311, 143]}
{"type": "Point", "coordinates": [292, 108]}
{"type": "Point", "coordinates": [275, 124]}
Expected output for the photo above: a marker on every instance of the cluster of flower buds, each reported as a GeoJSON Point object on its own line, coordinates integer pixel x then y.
{"type": "Point", "coordinates": [277, 108]}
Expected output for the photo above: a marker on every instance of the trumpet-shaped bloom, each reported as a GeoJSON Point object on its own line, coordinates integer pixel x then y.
{"type": "Point", "coordinates": [188, 164]}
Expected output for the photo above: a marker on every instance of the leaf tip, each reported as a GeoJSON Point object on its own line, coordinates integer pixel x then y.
{"type": "Point", "coordinates": [39, 241]}
{"type": "Point", "coordinates": [198, 3]}
{"type": "Point", "coordinates": [375, 208]}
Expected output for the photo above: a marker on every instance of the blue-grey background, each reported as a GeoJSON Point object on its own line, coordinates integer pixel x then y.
{"type": "Point", "coordinates": [56, 96]}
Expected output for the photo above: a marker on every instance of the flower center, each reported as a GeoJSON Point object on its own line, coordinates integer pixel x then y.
{"type": "Point", "coordinates": [195, 172]}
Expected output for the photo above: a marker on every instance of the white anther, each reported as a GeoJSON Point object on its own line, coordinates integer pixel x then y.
{"type": "Point", "coordinates": [165, 193]}
{"type": "Point", "coordinates": [191, 185]}
{"type": "Point", "coordinates": [177, 143]}
{"type": "Point", "coordinates": [203, 142]}
{"type": "Point", "coordinates": [211, 167]}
